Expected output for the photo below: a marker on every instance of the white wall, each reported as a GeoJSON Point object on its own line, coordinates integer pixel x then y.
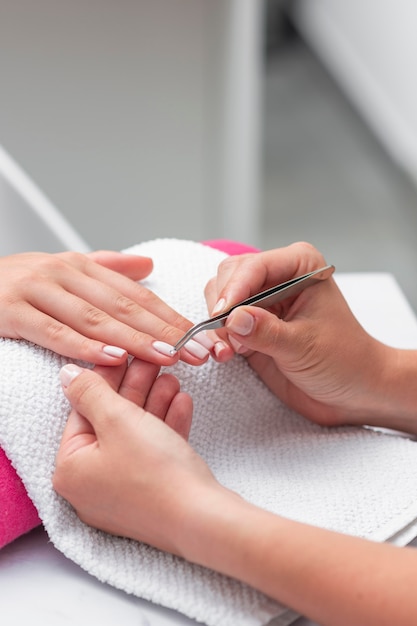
{"type": "Point", "coordinates": [118, 109]}
{"type": "Point", "coordinates": [370, 46]}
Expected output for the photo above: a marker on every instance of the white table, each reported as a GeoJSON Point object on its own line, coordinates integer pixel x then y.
{"type": "Point", "coordinates": [39, 585]}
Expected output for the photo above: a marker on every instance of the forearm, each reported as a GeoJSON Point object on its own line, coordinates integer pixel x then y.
{"type": "Point", "coordinates": [334, 579]}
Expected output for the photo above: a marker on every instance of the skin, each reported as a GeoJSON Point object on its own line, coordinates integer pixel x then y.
{"type": "Point", "coordinates": [81, 304]}
{"type": "Point", "coordinates": [307, 351]}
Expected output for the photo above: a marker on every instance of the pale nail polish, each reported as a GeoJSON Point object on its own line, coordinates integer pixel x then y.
{"type": "Point", "coordinates": [204, 340]}
{"type": "Point", "coordinates": [114, 351]}
{"type": "Point", "coordinates": [164, 348]}
{"type": "Point", "coordinates": [196, 349]}
{"type": "Point", "coordinates": [68, 373]}
{"type": "Point", "coordinates": [219, 306]}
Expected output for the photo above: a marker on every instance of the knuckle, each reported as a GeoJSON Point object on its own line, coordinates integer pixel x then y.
{"type": "Point", "coordinates": [55, 331]}
{"type": "Point", "coordinates": [178, 321]}
{"type": "Point", "coordinates": [48, 264]}
{"type": "Point", "coordinates": [94, 317]}
{"type": "Point", "coordinates": [71, 257]}
{"type": "Point", "coordinates": [305, 248]}
{"type": "Point", "coordinates": [228, 264]}
{"type": "Point", "coordinates": [166, 333]}
{"type": "Point", "coordinates": [125, 308]}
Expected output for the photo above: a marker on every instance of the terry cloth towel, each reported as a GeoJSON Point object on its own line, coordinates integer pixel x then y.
{"type": "Point", "coordinates": [353, 480]}
{"type": "Point", "coordinates": [17, 512]}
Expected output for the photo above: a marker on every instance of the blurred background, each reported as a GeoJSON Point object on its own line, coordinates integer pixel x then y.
{"type": "Point", "coordinates": [264, 121]}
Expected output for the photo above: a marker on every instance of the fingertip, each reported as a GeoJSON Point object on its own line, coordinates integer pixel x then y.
{"type": "Point", "coordinates": [68, 373]}
{"type": "Point", "coordinates": [119, 354]}
{"type": "Point", "coordinates": [222, 352]}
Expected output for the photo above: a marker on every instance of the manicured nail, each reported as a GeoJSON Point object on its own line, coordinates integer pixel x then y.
{"type": "Point", "coordinates": [219, 306]}
{"type": "Point", "coordinates": [240, 322]}
{"type": "Point", "coordinates": [204, 340]}
{"type": "Point", "coordinates": [219, 347]}
{"type": "Point", "coordinates": [68, 373]}
{"type": "Point", "coordinates": [164, 348]}
{"type": "Point", "coordinates": [196, 349]}
{"type": "Point", "coordinates": [114, 351]}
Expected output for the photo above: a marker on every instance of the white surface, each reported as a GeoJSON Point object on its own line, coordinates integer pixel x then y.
{"type": "Point", "coordinates": [369, 47]}
{"type": "Point", "coordinates": [56, 592]}
{"type": "Point", "coordinates": [38, 585]}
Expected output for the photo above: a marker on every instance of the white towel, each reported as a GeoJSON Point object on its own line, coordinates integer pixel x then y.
{"type": "Point", "coordinates": [352, 480]}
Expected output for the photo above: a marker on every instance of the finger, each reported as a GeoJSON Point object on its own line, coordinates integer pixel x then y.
{"type": "Point", "coordinates": [92, 397]}
{"type": "Point", "coordinates": [160, 396]}
{"type": "Point", "coordinates": [252, 328]}
{"type": "Point", "coordinates": [116, 284]}
{"type": "Point", "coordinates": [69, 314]}
{"type": "Point", "coordinates": [179, 415]}
{"type": "Point", "coordinates": [114, 376]}
{"type": "Point", "coordinates": [78, 432]}
{"type": "Point", "coordinates": [146, 327]}
{"type": "Point", "coordinates": [138, 381]}
{"type": "Point", "coordinates": [33, 325]}
{"type": "Point", "coordinates": [239, 278]}
{"type": "Point", "coordinates": [130, 265]}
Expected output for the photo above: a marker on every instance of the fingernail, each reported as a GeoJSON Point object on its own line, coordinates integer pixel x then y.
{"type": "Point", "coordinates": [68, 373]}
{"type": "Point", "coordinates": [163, 348]}
{"type": "Point", "coordinates": [219, 306]}
{"type": "Point", "coordinates": [240, 322]}
{"type": "Point", "coordinates": [114, 351]}
{"type": "Point", "coordinates": [237, 347]}
{"type": "Point", "coordinates": [219, 347]}
{"type": "Point", "coordinates": [196, 349]}
{"type": "Point", "coordinates": [204, 340]}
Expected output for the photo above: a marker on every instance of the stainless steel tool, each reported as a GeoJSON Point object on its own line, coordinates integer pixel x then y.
{"type": "Point", "coordinates": [263, 299]}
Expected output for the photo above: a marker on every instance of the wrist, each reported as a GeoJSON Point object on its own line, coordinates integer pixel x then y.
{"type": "Point", "coordinates": [388, 396]}
{"type": "Point", "coordinates": [209, 529]}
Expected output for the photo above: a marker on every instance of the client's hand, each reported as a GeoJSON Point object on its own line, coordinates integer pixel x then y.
{"type": "Point", "coordinates": [90, 307]}
{"type": "Point", "coordinates": [309, 349]}
{"type": "Point", "coordinates": [124, 463]}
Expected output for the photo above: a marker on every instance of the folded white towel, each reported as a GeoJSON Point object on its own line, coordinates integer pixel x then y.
{"type": "Point", "coordinates": [348, 479]}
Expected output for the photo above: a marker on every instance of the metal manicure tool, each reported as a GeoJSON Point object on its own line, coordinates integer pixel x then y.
{"type": "Point", "coordinates": [264, 299]}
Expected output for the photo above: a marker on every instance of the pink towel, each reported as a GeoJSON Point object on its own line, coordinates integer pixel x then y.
{"type": "Point", "coordinates": [17, 512]}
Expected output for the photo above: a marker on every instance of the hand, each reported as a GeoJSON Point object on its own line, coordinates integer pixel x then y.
{"type": "Point", "coordinates": [309, 349]}
{"type": "Point", "coordinates": [90, 307]}
{"type": "Point", "coordinates": [124, 463]}
{"type": "Point", "coordinates": [129, 473]}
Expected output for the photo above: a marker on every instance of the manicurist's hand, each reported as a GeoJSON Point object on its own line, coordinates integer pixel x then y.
{"type": "Point", "coordinates": [124, 463]}
{"type": "Point", "coordinates": [310, 349]}
{"type": "Point", "coordinates": [90, 307]}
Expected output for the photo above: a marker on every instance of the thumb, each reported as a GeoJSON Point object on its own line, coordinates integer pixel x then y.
{"type": "Point", "coordinates": [259, 330]}
{"type": "Point", "coordinates": [91, 397]}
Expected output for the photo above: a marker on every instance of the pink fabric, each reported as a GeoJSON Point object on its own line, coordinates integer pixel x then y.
{"type": "Point", "coordinates": [230, 247]}
{"type": "Point", "coordinates": [17, 512]}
